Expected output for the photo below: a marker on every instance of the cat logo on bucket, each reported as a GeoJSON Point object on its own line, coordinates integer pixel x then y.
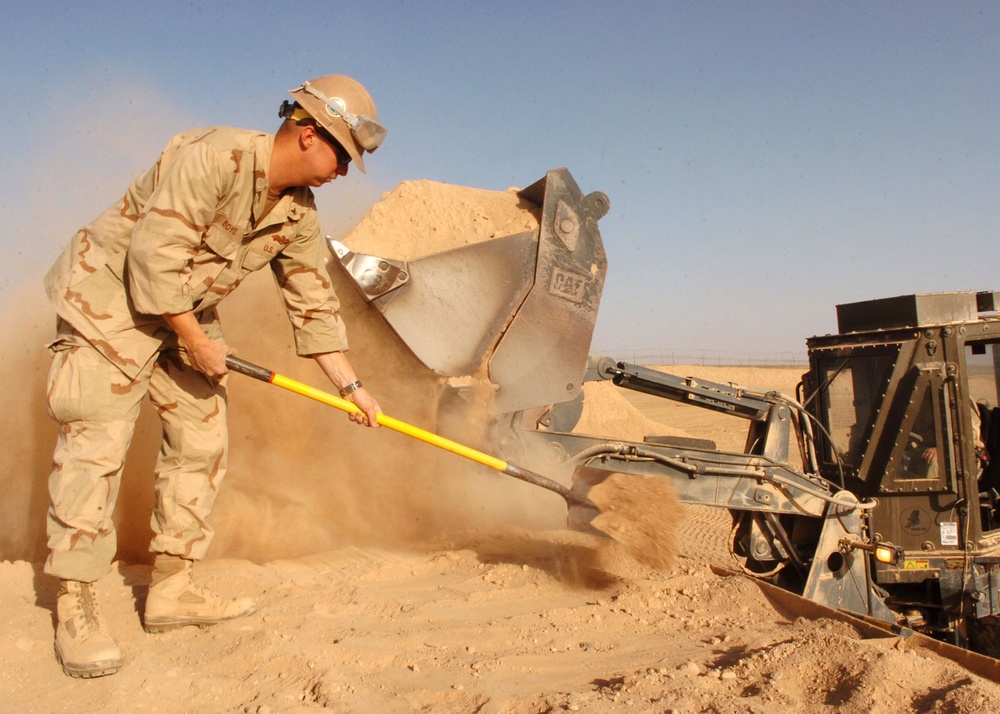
{"type": "Point", "coordinates": [567, 285]}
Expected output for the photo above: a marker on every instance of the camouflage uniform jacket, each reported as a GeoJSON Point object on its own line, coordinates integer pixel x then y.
{"type": "Point", "coordinates": [183, 236]}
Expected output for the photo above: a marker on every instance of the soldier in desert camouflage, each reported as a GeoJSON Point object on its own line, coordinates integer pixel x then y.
{"type": "Point", "coordinates": [136, 293]}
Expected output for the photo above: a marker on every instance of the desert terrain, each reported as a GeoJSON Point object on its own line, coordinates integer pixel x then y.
{"type": "Point", "coordinates": [392, 577]}
{"type": "Point", "coordinates": [496, 619]}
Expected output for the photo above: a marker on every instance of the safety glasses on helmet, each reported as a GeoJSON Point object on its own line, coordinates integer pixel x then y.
{"type": "Point", "coordinates": [366, 130]}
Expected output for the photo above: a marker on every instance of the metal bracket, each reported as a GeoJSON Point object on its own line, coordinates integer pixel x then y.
{"type": "Point", "coordinates": [374, 276]}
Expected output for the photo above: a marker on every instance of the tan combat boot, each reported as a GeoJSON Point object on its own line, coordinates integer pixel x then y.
{"type": "Point", "coordinates": [175, 600]}
{"type": "Point", "coordinates": [83, 646]}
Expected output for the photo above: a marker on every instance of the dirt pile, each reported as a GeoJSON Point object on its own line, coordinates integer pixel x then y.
{"type": "Point", "coordinates": [424, 217]}
{"type": "Point", "coordinates": [607, 413]}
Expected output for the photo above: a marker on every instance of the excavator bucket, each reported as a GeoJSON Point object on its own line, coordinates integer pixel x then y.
{"type": "Point", "coordinates": [516, 309]}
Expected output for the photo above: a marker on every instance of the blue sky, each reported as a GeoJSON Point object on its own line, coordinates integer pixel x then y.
{"type": "Point", "coordinates": [764, 160]}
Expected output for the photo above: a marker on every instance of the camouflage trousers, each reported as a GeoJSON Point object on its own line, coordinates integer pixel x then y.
{"type": "Point", "coordinates": [96, 406]}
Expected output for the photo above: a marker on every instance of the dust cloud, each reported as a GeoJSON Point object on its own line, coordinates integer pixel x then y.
{"type": "Point", "coordinates": [302, 478]}
{"type": "Point", "coordinates": [641, 514]}
{"type": "Point", "coordinates": [28, 435]}
{"type": "Point", "coordinates": [308, 478]}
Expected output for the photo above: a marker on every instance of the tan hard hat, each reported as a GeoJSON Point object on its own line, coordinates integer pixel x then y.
{"type": "Point", "coordinates": [343, 107]}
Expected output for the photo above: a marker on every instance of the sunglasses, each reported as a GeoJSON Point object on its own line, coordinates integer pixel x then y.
{"type": "Point", "coordinates": [343, 158]}
{"type": "Point", "coordinates": [288, 110]}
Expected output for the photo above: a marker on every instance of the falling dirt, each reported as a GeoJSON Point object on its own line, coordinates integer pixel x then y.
{"type": "Point", "coordinates": [642, 514]}
{"type": "Point", "coordinates": [393, 577]}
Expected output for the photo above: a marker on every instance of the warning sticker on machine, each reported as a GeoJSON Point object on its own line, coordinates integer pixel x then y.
{"type": "Point", "coordinates": [949, 533]}
{"type": "Point", "coordinates": [916, 564]}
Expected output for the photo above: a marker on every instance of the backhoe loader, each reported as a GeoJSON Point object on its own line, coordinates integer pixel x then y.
{"type": "Point", "coordinates": [873, 490]}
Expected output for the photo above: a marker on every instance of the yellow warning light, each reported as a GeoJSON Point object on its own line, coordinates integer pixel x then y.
{"type": "Point", "coordinates": [886, 554]}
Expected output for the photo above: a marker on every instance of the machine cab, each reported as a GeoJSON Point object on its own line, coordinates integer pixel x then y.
{"type": "Point", "coordinates": [906, 396]}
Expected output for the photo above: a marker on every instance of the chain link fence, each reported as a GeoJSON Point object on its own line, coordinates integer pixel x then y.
{"type": "Point", "coordinates": [661, 356]}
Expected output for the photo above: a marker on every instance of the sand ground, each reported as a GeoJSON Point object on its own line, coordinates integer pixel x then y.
{"type": "Point", "coordinates": [502, 619]}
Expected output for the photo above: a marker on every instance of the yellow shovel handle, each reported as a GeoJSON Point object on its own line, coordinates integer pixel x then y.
{"type": "Point", "coordinates": [252, 370]}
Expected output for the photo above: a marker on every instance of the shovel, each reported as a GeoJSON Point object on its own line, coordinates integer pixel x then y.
{"type": "Point", "coordinates": [573, 500]}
